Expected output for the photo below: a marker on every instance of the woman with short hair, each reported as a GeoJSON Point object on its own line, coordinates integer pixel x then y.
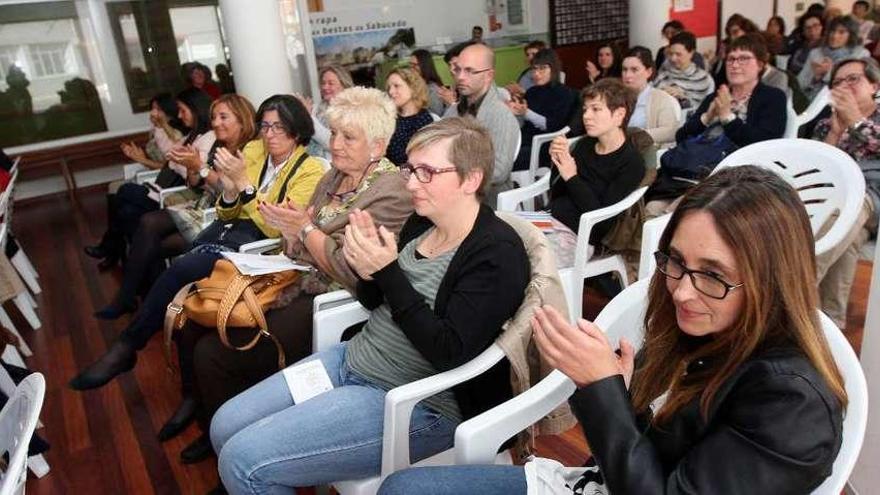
{"type": "Point", "coordinates": [732, 342]}
{"type": "Point", "coordinates": [438, 297]}
{"type": "Point", "coordinates": [410, 95]}
{"type": "Point", "coordinates": [679, 75]}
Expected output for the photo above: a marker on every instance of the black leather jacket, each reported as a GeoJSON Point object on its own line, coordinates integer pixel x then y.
{"type": "Point", "coordinates": [773, 428]}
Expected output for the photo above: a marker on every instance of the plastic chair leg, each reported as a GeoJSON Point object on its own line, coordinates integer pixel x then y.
{"type": "Point", "coordinates": [11, 356]}
{"type": "Point", "coordinates": [26, 271]}
{"type": "Point", "coordinates": [24, 306]}
{"type": "Point", "coordinates": [6, 322]}
{"type": "Point", "coordinates": [38, 465]}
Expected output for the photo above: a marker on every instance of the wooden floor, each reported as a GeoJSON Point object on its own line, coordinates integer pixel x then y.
{"type": "Point", "coordinates": [104, 441]}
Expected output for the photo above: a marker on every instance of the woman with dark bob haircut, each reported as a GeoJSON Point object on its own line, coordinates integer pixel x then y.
{"type": "Point", "coordinates": [273, 169]}
{"type": "Point", "coordinates": [754, 401]}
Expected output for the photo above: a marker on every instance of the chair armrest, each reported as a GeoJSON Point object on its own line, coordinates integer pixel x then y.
{"type": "Point", "coordinates": [508, 200]}
{"type": "Point", "coordinates": [478, 439]}
{"type": "Point", "coordinates": [538, 141]}
{"type": "Point", "coordinates": [147, 176]}
{"type": "Point", "coordinates": [329, 324]}
{"type": "Point", "coordinates": [590, 218]}
{"type": "Point", "coordinates": [399, 404]}
{"type": "Point", "coordinates": [164, 193]}
{"type": "Point", "coordinates": [332, 299]}
{"type": "Point", "coordinates": [131, 170]}
{"type": "Point", "coordinates": [651, 232]}
{"type": "Point", "coordinates": [259, 247]}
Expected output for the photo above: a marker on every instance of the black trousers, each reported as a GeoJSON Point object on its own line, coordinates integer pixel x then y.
{"type": "Point", "coordinates": [213, 373]}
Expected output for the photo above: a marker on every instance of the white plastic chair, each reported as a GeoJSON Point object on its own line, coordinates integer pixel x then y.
{"type": "Point", "coordinates": [20, 261]}
{"type": "Point", "coordinates": [479, 438]}
{"type": "Point", "coordinates": [23, 301]}
{"type": "Point", "coordinates": [820, 101]}
{"type": "Point", "coordinates": [827, 179]}
{"type": "Point", "coordinates": [150, 176]}
{"type": "Point", "coordinates": [527, 177]}
{"type": "Point", "coordinates": [791, 121]}
{"type": "Point", "coordinates": [856, 419]}
{"type": "Point", "coordinates": [585, 265]}
{"type": "Point", "coordinates": [18, 419]}
{"type": "Point", "coordinates": [651, 231]}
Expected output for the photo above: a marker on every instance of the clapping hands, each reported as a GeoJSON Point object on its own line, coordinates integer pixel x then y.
{"type": "Point", "coordinates": [367, 249]}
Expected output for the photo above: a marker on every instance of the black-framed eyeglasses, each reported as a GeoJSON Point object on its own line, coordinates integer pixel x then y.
{"type": "Point", "coordinates": [706, 283]}
{"type": "Point", "coordinates": [849, 80]}
{"type": "Point", "coordinates": [468, 71]}
{"type": "Point", "coordinates": [423, 173]}
{"type": "Point", "coordinates": [741, 60]}
{"type": "Point", "coordinates": [271, 128]}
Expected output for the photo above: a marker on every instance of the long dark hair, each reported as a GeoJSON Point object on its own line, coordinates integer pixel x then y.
{"type": "Point", "coordinates": [615, 69]}
{"type": "Point", "coordinates": [762, 219]}
{"type": "Point", "coordinates": [199, 103]}
{"type": "Point", "coordinates": [426, 67]}
{"type": "Point", "coordinates": [168, 106]}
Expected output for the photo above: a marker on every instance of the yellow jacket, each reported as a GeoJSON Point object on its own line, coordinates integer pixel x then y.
{"type": "Point", "coordinates": [299, 188]}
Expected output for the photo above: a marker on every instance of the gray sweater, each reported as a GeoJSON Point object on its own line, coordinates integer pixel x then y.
{"type": "Point", "coordinates": [504, 129]}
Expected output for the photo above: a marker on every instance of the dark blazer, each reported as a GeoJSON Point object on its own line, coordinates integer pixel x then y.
{"type": "Point", "coordinates": [483, 287]}
{"type": "Point", "coordinates": [765, 119]}
{"type": "Point", "coordinates": [773, 428]}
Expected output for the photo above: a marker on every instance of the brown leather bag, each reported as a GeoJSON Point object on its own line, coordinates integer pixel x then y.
{"type": "Point", "coordinates": [228, 299]}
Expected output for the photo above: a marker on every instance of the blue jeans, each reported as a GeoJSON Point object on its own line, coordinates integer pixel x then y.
{"type": "Point", "coordinates": [453, 480]}
{"type": "Point", "coordinates": [268, 444]}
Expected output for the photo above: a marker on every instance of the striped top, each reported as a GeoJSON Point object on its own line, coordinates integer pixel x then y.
{"type": "Point", "coordinates": [694, 81]}
{"type": "Point", "coordinates": [383, 354]}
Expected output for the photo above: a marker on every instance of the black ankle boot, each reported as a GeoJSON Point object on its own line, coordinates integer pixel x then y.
{"type": "Point", "coordinates": [115, 310]}
{"type": "Point", "coordinates": [119, 358]}
{"type": "Point", "coordinates": [182, 417]}
{"type": "Point", "coordinates": [197, 451]}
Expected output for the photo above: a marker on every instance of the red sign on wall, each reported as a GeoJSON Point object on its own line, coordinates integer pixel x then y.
{"type": "Point", "coordinates": [698, 16]}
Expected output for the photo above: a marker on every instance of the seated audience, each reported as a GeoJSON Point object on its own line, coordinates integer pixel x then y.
{"type": "Point", "coordinates": [410, 95]}
{"type": "Point", "coordinates": [199, 77]}
{"type": "Point", "coordinates": [422, 62]}
{"type": "Point", "coordinates": [841, 42]}
{"type": "Point", "coordinates": [169, 232]}
{"type": "Point", "coordinates": [273, 169]}
{"type": "Point", "coordinates": [854, 127]}
{"type": "Point", "coordinates": [811, 31]}
{"type": "Point", "coordinates": [737, 114]}
{"type": "Point", "coordinates": [474, 72]}
{"type": "Point", "coordinates": [774, 35]}
{"type": "Point", "coordinates": [333, 79]}
{"type": "Point", "coordinates": [669, 30]}
{"type": "Point", "coordinates": [604, 166]}
{"type": "Point", "coordinates": [212, 373]}
{"type": "Point", "coordinates": [733, 343]}
{"type": "Point", "coordinates": [546, 107]}
{"type": "Point", "coordinates": [163, 123]}
{"type": "Point", "coordinates": [607, 63]}
{"type": "Point", "coordinates": [450, 95]}
{"type": "Point", "coordinates": [736, 26]}
{"type": "Point", "coordinates": [655, 111]}
{"type": "Point", "coordinates": [525, 81]}
{"type": "Point", "coordinates": [680, 76]}
{"type": "Point", "coordinates": [861, 11]}
{"type": "Point", "coordinates": [437, 298]}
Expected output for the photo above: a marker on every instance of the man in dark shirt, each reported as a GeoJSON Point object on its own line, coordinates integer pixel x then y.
{"type": "Point", "coordinates": [604, 166]}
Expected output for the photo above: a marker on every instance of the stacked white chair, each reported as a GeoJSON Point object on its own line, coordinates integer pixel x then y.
{"type": "Point", "coordinates": [18, 419]}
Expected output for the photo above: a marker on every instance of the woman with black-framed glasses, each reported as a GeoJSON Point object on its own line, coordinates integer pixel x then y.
{"type": "Point", "coordinates": [438, 297]}
{"type": "Point", "coordinates": [753, 399]}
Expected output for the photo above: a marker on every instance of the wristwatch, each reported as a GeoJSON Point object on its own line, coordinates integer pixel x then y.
{"type": "Point", "coordinates": [305, 231]}
{"type": "Point", "coordinates": [204, 172]}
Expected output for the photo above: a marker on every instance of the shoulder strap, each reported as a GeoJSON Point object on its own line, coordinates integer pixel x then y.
{"type": "Point", "coordinates": [283, 191]}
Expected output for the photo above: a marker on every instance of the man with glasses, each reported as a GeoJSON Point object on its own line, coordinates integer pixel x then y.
{"type": "Point", "coordinates": [474, 73]}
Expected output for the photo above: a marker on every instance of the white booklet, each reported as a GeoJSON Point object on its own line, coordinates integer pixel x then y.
{"type": "Point", "coordinates": [261, 264]}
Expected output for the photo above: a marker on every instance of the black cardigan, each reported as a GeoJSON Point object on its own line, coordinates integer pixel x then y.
{"type": "Point", "coordinates": [765, 120]}
{"type": "Point", "coordinates": [773, 428]}
{"type": "Point", "coordinates": [483, 287]}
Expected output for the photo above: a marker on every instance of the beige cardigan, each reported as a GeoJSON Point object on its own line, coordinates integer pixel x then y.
{"type": "Point", "coordinates": [527, 366]}
{"type": "Point", "coordinates": [663, 111]}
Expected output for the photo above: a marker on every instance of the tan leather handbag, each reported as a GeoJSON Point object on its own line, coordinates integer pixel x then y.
{"type": "Point", "coordinates": [228, 299]}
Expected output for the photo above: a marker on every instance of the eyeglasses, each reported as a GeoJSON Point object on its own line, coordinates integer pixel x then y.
{"type": "Point", "coordinates": [705, 282]}
{"type": "Point", "coordinates": [741, 60]}
{"type": "Point", "coordinates": [423, 173]}
{"type": "Point", "coordinates": [850, 80]}
{"type": "Point", "coordinates": [271, 128]}
{"type": "Point", "coordinates": [467, 71]}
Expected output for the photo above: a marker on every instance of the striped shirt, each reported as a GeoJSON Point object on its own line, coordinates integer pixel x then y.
{"type": "Point", "coordinates": [696, 83]}
{"type": "Point", "coordinates": [383, 354]}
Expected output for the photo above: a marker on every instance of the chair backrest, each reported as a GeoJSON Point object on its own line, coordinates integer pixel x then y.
{"type": "Point", "coordinates": [517, 147]}
{"type": "Point", "coordinates": [537, 143]}
{"type": "Point", "coordinates": [791, 120]}
{"type": "Point", "coordinates": [856, 419]}
{"type": "Point", "coordinates": [18, 419]}
{"type": "Point", "coordinates": [652, 230]}
{"type": "Point", "coordinates": [819, 102]}
{"type": "Point", "coordinates": [828, 181]}
{"type": "Point", "coordinates": [435, 117]}
{"type": "Point", "coordinates": [624, 316]}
